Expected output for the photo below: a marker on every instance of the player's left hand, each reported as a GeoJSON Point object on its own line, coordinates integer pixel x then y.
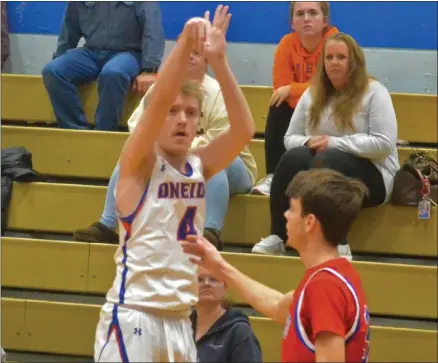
{"type": "Point", "coordinates": [205, 254]}
{"type": "Point", "coordinates": [143, 81]}
{"type": "Point", "coordinates": [321, 145]}
{"type": "Point", "coordinates": [215, 45]}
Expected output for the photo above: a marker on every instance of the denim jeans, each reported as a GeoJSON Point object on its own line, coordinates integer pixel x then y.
{"type": "Point", "coordinates": [114, 72]}
{"type": "Point", "coordinates": [233, 180]}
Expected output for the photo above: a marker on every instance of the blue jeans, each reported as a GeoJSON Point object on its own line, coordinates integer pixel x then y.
{"type": "Point", "coordinates": [233, 180]}
{"type": "Point", "coordinates": [114, 72]}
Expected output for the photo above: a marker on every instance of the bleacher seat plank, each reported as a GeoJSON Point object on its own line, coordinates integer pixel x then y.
{"type": "Point", "coordinates": [43, 264]}
{"type": "Point", "coordinates": [67, 328]}
{"type": "Point", "coordinates": [18, 87]}
{"type": "Point", "coordinates": [258, 101]}
{"type": "Point", "coordinates": [416, 116]}
{"type": "Point", "coordinates": [385, 230]}
{"type": "Point", "coordinates": [390, 296]}
{"type": "Point", "coordinates": [63, 208]}
{"type": "Point", "coordinates": [62, 328]}
{"type": "Point", "coordinates": [68, 153]}
{"type": "Point", "coordinates": [416, 113]}
{"type": "Point", "coordinates": [93, 155]}
{"type": "Point", "coordinates": [13, 323]}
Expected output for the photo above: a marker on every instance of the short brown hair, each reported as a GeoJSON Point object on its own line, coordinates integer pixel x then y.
{"type": "Point", "coordinates": [333, 198]}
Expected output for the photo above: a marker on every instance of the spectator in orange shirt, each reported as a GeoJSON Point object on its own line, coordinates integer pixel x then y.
{"type": "Point", "coordinates": [294, 65]}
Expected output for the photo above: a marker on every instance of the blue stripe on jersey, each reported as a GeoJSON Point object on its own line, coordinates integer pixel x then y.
{"type": "Point", "coordinates": [358, 321]}
{"type": "Point", "coordinates": [119, 336]}
{"type": "Point", "coordinates": [297, 329]}
{"type": "Point", "coordinates": [127, 224]}
{"type": "Point", "coordinates": [189, 168]}
{"type": "Point", "coordinates": [129, 219]}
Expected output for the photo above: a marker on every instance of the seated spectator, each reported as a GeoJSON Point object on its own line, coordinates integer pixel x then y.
{"type": "Point", "coordinates": [238, 178]}
{"type": "Point", "coordinates": [124, 42]}
{"type": "Point", "coordinates": [221, 334]}
{"type": "Point", "coordinates": [295, 63]}
{"type": "Point", "coordinates": [346, 122]}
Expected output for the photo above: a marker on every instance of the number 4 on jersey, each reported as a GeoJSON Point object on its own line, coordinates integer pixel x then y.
{"type": "Point", "coordinates": [187, 224]}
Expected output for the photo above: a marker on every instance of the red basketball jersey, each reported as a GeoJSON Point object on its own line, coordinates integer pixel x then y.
{"type": "Point", "coordinates": [330, 298]}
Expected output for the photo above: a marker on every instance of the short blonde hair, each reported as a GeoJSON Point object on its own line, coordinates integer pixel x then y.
{"type": "Point", "coordinates": [188, 88]}
{"type": "Point", "coordinates": [193, 89]}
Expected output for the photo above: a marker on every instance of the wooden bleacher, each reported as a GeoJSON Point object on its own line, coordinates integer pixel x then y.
{"type": "Point", "coordinates": [66, 328]}
{"type": "Point", "coordinates": [416, 114]}
{"type": "Point", "coordinates": [36, 263]}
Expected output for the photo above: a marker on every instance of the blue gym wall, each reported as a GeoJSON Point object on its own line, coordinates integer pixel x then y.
{"type": "Point", "coordinates": [400, 38]}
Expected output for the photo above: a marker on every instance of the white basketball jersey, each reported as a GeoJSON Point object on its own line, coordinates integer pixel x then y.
{"type": "Point", "coordinates": [152, 271]}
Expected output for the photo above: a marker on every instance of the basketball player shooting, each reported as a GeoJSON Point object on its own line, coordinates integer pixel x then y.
{"type": "Point", "coordinates": [160, 200]}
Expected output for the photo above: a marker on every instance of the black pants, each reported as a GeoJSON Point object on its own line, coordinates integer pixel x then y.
{"type": "Point", "coordinates": [301, 158]}
{"type": "Point", "coordinates": [276, 127]}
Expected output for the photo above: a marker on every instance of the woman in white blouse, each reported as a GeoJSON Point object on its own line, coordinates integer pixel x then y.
{"type": "Point", "coordinates": [344, 121]}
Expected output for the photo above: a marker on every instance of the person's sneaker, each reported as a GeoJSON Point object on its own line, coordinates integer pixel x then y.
{"type": "Point", "coordinates": [345, 251]}
{"type": "Point", "coordinates": [97, 233]}
{"type": "Point", "coordinates": [214, 237]}
{"type": "Point", "coordinates": [263, 187]}
{"type": "Point", "coordinates": [271, 245]}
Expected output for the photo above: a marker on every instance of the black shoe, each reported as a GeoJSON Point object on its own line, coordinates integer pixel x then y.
{"type": "Point", "coordinates": [214, 237]}
{"type": "Point", "coordinates": [97, 233]}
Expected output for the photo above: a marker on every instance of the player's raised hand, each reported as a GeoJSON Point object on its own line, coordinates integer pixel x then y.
{"type": "Point", "coordinates": [196, 31]}
{"type": "Point", "coordinates": [204, 254]}
{"type": "Point", "coordinates": [215, 46]}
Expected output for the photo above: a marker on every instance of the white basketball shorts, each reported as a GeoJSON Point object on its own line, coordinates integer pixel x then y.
{"type": "Point", "coordinates": [128, 335]}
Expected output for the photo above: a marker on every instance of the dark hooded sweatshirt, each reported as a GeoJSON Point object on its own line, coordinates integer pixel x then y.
{"type": "Point", "coordinates": [230, 339]}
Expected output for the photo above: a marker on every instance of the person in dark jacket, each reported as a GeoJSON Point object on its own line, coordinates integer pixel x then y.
{"type": "Point", "coordinates": [221, 334]}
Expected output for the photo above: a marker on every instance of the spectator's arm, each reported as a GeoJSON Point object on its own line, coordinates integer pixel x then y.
{"type": "Point", "coordinates": [297, 89]}
{"type": "Point", "coordinates": [296, 133]}
{"type": "Point", "coordinates": [152, 44]}
{"type": "Point", "coordinates": [70, 30]}
{"type": "Point", "coordinates": [382, 135]}
{"type": "Point", "coordinates": [283, 72]}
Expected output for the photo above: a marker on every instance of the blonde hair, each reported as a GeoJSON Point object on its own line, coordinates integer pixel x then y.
{"type": "Point", "coordinates": [193, 89]}
{"type": "Point", "coordinates": [346, 102]}
{"type": "Point", "coordinates": [188, 88]}
{"type": "Point", "coordinates": [324, 6]}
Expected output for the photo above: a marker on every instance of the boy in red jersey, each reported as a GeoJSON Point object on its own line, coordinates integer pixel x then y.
{"type": "Point", "coordinates": [326, 318]}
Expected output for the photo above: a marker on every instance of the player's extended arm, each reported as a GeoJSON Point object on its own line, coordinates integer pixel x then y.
{"type": "Point", "coordinates": [228, 144]}
{"type": "Point", "coordinates": [138, 154]}
{"type": "Point", "coordinates": [329, 347]}
{"type": "Point", "coordinates": [271, 303]}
